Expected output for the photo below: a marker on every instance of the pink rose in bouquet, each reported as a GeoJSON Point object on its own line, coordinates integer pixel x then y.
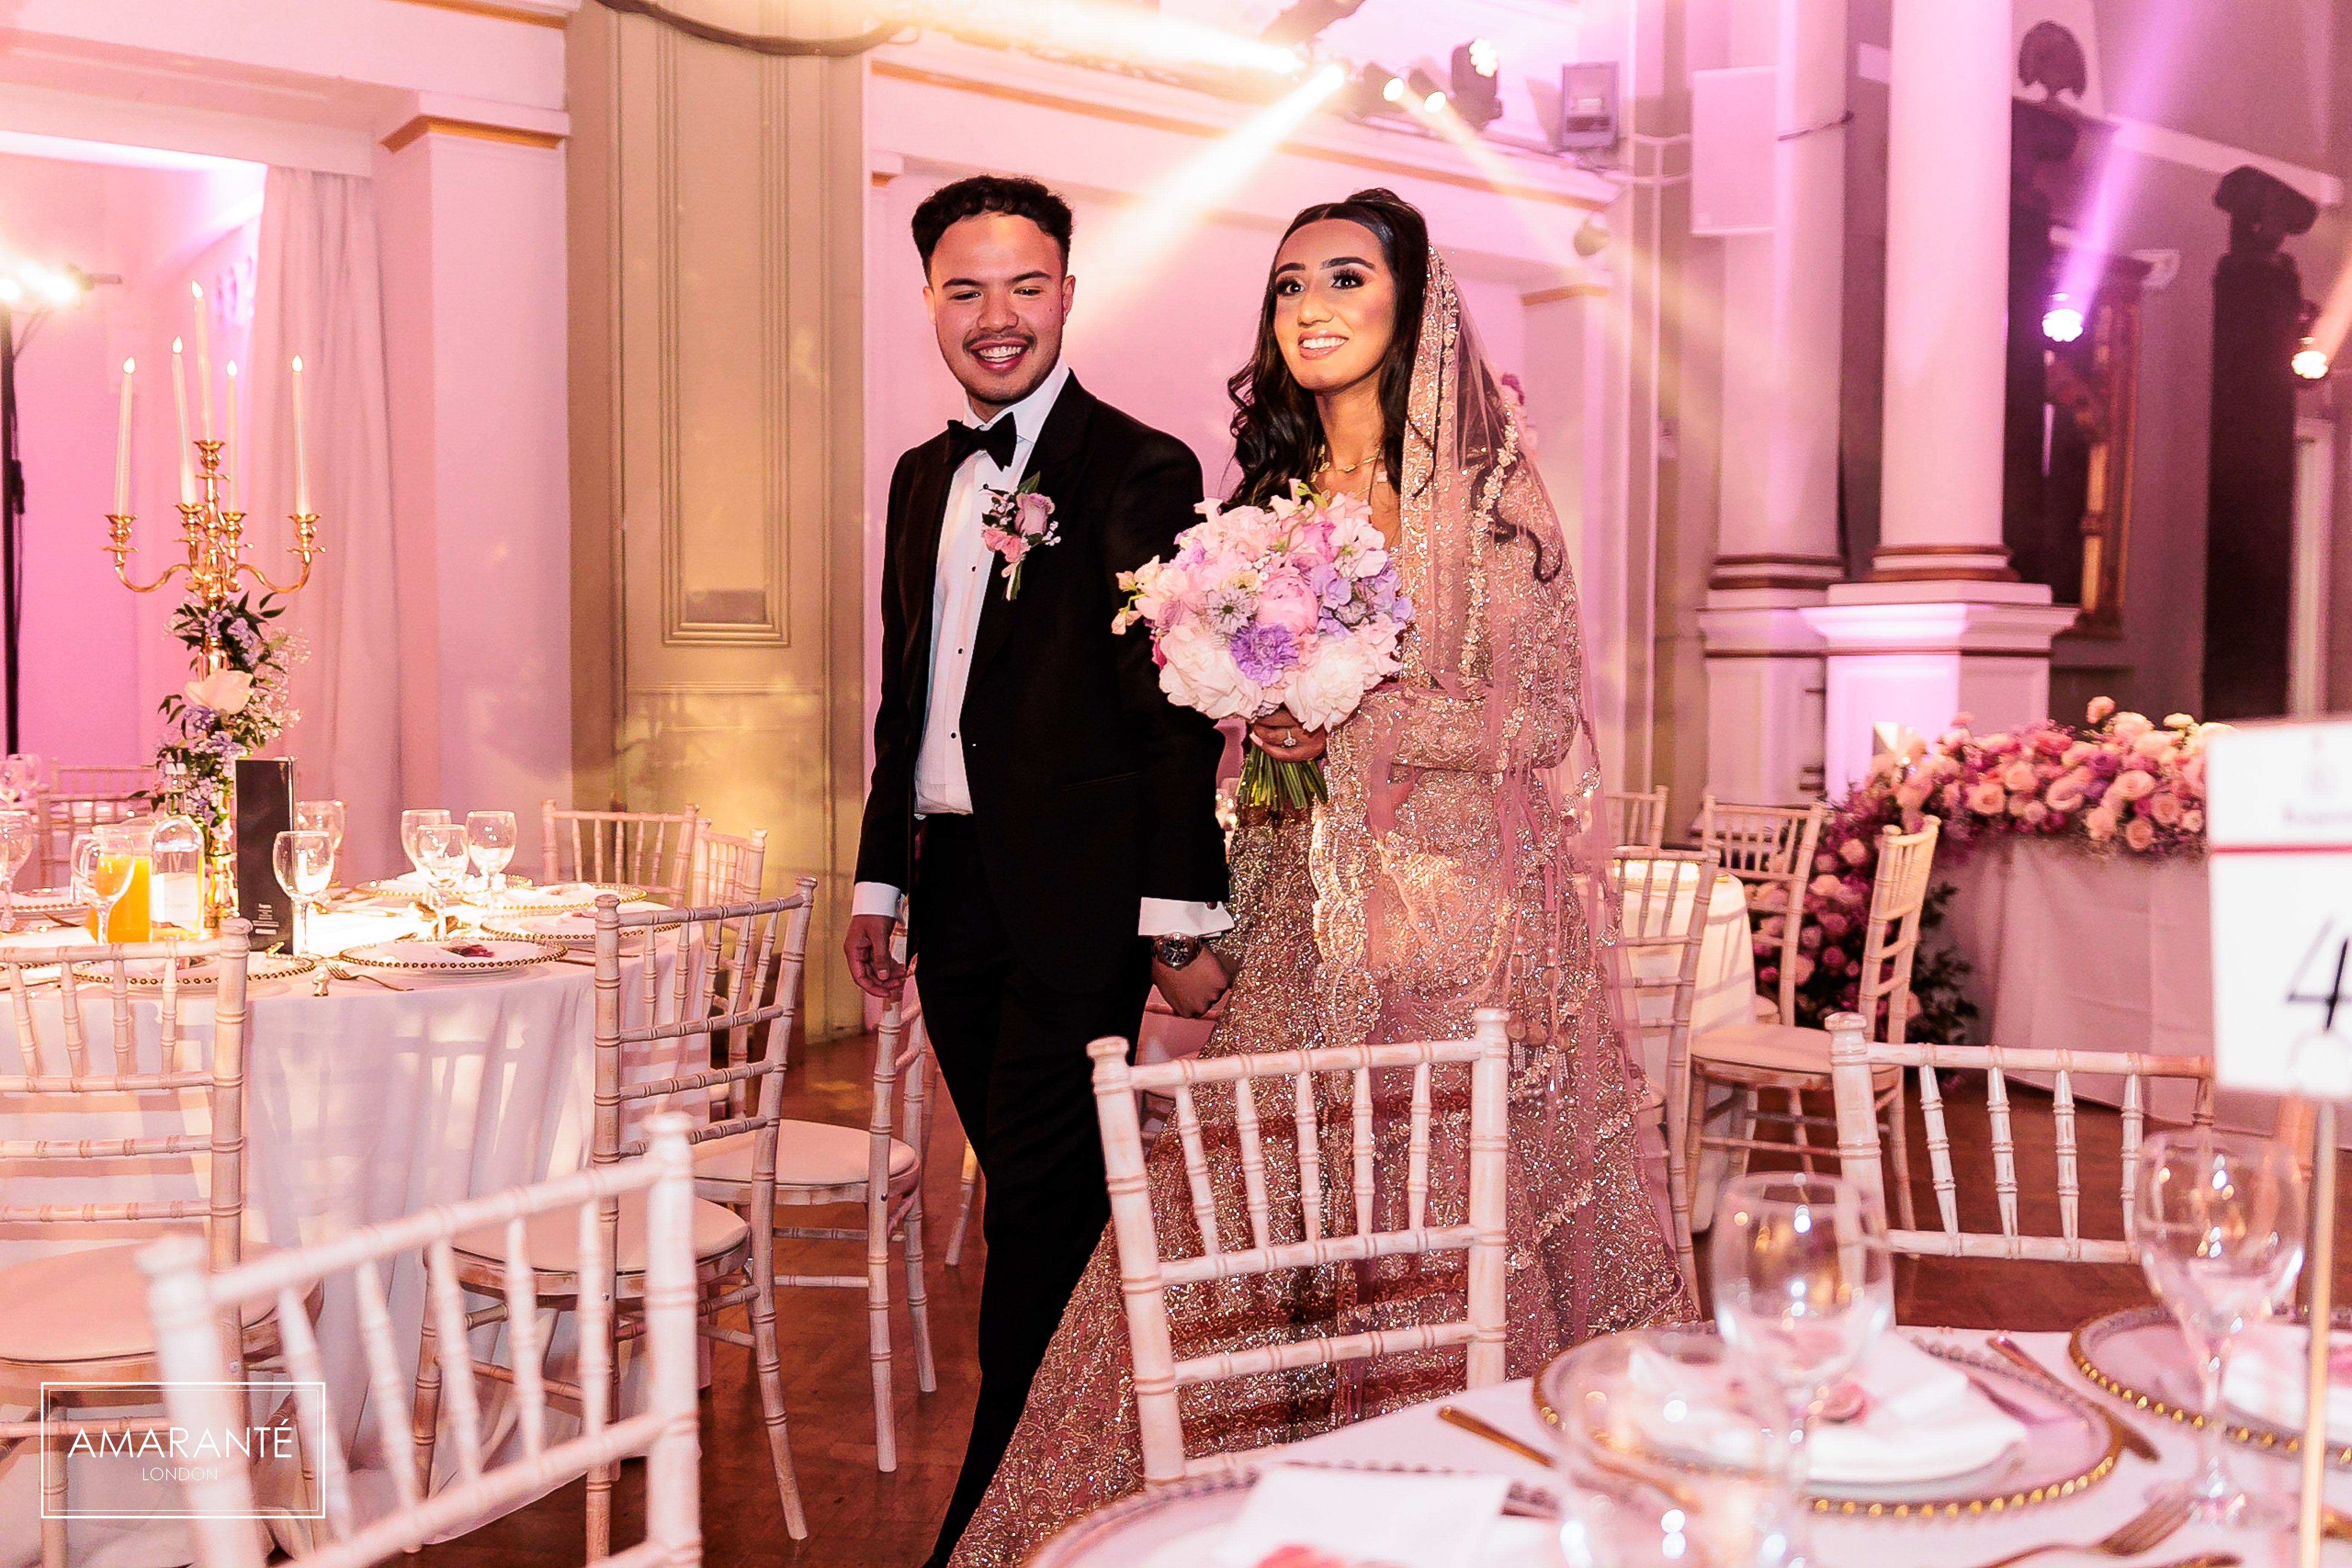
{"type": "Point", "coordinates": [1294, 605]}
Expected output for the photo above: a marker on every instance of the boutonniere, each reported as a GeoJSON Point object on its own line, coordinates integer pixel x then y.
{"type": "Point", "coordinates": [1016, 523]}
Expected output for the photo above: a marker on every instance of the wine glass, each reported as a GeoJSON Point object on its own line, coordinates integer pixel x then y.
{"type": "Point", "coordinates": [441, 857]}
{"type": "Point", "coordinates": [304, 859]}
{"type": "Point", "coordinates": [102, 875]}
{"type": "Point", "coordinates": [16, 830]}
{"type": "Point", "coordinates": [323, 816]}
{"type": "Point", "coordinates": [491, 841]}
{"type": "Point", "coordinates": [410, 821]}
{"type": "Point", "coordinates": [2220, 1234]}
{"type": "Point", "coordinates": [1804, 1283]}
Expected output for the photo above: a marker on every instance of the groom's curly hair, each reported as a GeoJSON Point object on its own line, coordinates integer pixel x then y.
{"type": "Point", "coordinates": [1014, 195]}
{"type": "Point", "coordinates": [1277, 436]}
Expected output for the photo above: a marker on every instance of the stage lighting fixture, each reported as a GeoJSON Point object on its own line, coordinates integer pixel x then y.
{"type": "Point", "coordinates": [2310, 362]}
{"type": "Point", "coordinates": [1478, 85]}
{"type": "Point", "coordinates": [1303, 22]}
{"type": "Point", "coordinates": [1423, 88]}
{"type": "Point", "coordinates": [2062, 322]}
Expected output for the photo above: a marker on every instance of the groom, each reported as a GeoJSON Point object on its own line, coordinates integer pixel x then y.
{"type": "Point", "coordinates": [1049, 814]}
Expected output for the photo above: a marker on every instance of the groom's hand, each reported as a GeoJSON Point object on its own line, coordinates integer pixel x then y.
{"type": "Point", "coordinates": [871, 962]}
{"type": "Point", "coordinates": [1194, 989]}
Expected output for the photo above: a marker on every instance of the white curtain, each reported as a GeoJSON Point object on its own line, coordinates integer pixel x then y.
{"type": "Point", "coordinates": [318, 294]}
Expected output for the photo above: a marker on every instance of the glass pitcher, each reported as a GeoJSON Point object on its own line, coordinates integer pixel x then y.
{"type": "Point", "coordinates": [175, 895]}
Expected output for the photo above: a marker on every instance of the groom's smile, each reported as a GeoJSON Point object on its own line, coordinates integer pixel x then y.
{"type": "Point", "coordinates": [998, 292]}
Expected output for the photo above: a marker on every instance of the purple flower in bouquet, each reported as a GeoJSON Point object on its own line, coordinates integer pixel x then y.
{"type": "Point", "coordinates": [1264, 652]}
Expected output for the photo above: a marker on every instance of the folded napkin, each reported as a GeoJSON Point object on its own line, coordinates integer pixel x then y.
{"type": "Point", "coordinates": [1334, 1518]}
{"type": "Point", "coordinates": [2267, 1373]}
{"type": "Point", "coordinates": [1922, 1419]}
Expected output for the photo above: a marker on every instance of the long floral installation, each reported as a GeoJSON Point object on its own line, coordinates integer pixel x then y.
{"type": "Point", "coordinates": [2120, 785]}
{"type": "Point", "coordinates": [232, 713]}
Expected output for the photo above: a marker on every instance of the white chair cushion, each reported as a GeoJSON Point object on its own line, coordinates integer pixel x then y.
{"type": "Point", "coordinates": [1776, 1048]}
{"type": "Point", "coordinates": [553, 1237]}
{"type": "Point", "coordinates": [84, 1306]}
{"type": "Point", "coordinates": [808, 1154]}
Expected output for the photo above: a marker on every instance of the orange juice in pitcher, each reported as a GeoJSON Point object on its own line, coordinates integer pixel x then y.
{"type": "Point", "coordinates": [123, 864]}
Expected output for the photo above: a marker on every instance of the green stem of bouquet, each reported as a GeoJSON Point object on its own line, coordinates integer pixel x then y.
{"type": "Point", "coordinates": [1280, 785]}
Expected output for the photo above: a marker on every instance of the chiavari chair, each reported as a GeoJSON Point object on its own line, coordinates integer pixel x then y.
{"type": "Point", "coordinates": [733, 1261]}
{"type": "Point", "coordinates": [649, 849]}
{"type": "Point", "coordinates": [1633, 818]}
{"type": "Point", "coordinates": [186, 1300]}
{"type": "Point", "coordinates": [727, 867]}
{"type": "Point", "coordinates": [1752, 1057]}
{"type": "Point", "coordinates": [1856, 1066]}
{"type": "Point", "coordinates": [79, 1316]}
{"type": "Point", "coordinates": [1770, 849]}
{"type": "Point", "coordinates": [1146, 1275]}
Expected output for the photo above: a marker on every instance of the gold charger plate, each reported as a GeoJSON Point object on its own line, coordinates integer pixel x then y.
{"type": "Point", "coordinates": [1983, 1492]}
{"type": "Point", "coordinates": [388, 955]}
{"type": "Point", "coordinates": [2113, 1352]}
{"type": "Point", "coordinates": [563, 898]}
{"type": "Point", "coordinates": [398, 888]}
{"type": "Point", "coordinates": [203, 973]}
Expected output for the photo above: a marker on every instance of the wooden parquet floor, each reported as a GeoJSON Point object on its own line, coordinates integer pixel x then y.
{"type": "Point", "coordinates": [859, 1517]}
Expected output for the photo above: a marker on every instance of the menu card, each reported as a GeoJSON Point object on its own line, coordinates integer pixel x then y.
{"type": "Point", "coordinates": [264, 809]}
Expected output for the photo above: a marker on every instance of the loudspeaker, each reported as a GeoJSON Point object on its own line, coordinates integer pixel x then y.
{"type": "Point", "coordinates": [1588, 105]}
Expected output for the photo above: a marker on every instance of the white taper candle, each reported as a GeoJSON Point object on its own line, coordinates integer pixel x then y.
{"type": "Point", "coordinates": [235, 453]}
{"type": "Point", "coordinates": [204, 362]}
{"type": "Point", "coordinates": [301, 460]}
{"type": "Point", "coordinates": [122, 447]}
{"type": "Point", "coordinates": [180, 405]}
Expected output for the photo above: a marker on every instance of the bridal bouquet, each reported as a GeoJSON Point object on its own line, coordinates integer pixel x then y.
{"type": "Point", "coordinates": [1293, 604]}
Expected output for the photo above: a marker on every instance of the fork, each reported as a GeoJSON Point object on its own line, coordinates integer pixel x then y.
{"type": "Point", "coordinates": [344, 971]}
{"type": "Point", "coordinates": [2142, 1532]}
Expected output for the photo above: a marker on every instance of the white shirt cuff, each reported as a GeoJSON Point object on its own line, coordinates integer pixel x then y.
{"type": "Point", "coordinates": [1173, 917]}
{"type": "Point", "coordinates": [875, 899]}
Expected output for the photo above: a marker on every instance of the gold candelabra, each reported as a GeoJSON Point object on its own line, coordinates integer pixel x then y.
{"type": "Point", "coordinates": [214, 536]}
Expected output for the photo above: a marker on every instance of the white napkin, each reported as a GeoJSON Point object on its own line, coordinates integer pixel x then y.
{"type": "Point", "coordinates": [2267, 1372]}
{"type": "Point", "coordinates": [1408, 1520]}
{"type": "Point", "coordinates": [1924, 1420]}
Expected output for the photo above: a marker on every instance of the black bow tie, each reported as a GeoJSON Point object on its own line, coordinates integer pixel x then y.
{"type": "Point", "coordinates": [998, 441]}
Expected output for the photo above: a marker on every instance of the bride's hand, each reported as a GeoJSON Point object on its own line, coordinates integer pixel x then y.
{"type": "Point", "coordinates": [1282, 736]}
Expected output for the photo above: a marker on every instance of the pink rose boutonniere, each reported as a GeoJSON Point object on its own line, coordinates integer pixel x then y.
{"type": "Point", "coordinates": [1016, 523]}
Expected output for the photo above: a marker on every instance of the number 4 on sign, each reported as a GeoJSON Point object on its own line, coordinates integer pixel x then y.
{"type": "Point", "coordinates": [2321, 1059]}
{"type": "Point", "coordinates": [2319, 957]}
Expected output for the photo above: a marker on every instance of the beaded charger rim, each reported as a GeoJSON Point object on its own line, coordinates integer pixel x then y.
{"type": "Point", "coordinates": [2244, 1428]}
{"type": "Point", "coordinates": [1097, 1529]}
{"type": "Point", "coordinates": [203, 973]}
{"type": "Point", "coordinates": [1977, 1505]}
{"type": "Point", "coordinates": [632, 941]}
{"type": "Point", "coordinates": [548, 950]}
{"type": "Point", "coordinates": [394, 887]}
{"type": "Point", "coordinates": [569, 905]}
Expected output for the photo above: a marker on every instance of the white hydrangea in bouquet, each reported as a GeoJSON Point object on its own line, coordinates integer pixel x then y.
{"type": "Point", "coordinates": [1293, 604]}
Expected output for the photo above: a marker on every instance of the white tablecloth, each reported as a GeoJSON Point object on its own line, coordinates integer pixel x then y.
{"type": "Point", "coordinates": [1416, 1436]}
{"type": "Point", "coordinates": [361, 1106]}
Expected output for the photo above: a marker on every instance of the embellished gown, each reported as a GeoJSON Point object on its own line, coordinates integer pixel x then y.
{"type": "Point", "coordinates": [1441, 876]}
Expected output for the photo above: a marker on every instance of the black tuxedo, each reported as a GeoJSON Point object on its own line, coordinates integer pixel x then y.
{"type": "Point", "coordinates": [1090, 792]}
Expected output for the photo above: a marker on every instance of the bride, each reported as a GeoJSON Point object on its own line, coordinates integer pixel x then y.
{"type": "Point", "coordinates": [1436, 878]}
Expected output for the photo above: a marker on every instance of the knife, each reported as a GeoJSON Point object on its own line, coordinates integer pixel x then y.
{"type": "Point", "coordinates": [2130, 1437]}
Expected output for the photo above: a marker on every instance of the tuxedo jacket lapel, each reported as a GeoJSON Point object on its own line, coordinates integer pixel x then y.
{"type": "Point", "coordinates": [1058, 445]}
{"type": "Point", "coordinates": [927, 510]}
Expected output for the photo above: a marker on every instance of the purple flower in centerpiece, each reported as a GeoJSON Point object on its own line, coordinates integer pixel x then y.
{"type": "Point", "coordinates": [1262, 652]}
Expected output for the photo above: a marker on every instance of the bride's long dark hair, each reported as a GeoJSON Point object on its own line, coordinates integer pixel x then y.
{"type": "Point", "coordinates": [1278, 436]}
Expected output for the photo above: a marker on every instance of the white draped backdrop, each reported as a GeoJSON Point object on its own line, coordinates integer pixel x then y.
{"type": "Point", "coordinates": [318, 294]}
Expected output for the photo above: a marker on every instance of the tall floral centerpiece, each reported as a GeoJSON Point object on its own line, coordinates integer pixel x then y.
{"type": "Point", "coordinates": [238, 700]}
{"type": "Point", "coordinates": [2118, 786]}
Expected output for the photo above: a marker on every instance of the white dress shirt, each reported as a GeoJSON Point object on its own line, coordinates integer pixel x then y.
{"type": "Point", "coordinates": [967, 572]}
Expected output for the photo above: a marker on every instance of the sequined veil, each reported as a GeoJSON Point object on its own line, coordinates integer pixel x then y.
{"type": "Point", "coordinates": [1442, 875]}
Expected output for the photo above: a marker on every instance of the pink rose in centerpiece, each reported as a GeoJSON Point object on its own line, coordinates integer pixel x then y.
{"type": "Point", "coordinates": [2192, 821]}
{"type": "Point", "coordinates": [2018, 776]}
{"type": "Point", "coordinates": [1852, 852]}
{"type": "Point", "coordinates": [2155, 743]}
{"type": "Point", "coordinates": [2066, 794]}
{"type": "Point", "coordinates": [2139, 833]}
{"type": "Point", "coordinates": [1988, 798]}
{"type": "Point", "coordinates": [2131, 784]}
{"type": "Point", "coordinates": [2099, 822]}
{"type": "Point", "coordinates": [2099, 709]}
{"type": "Point", "coordinates": [2164, 806]}
{"type": "Point", "coordinates": [1825, 886]}
{"type": "Point", "coordinates": [2130, 726]}
{"type": "Point", "coordinates": [2178, 721]}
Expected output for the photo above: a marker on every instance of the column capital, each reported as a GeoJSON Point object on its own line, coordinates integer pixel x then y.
{"type": "Point", "coordinates": [1991, 628]}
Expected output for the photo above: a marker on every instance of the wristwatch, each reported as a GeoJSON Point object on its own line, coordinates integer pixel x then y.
{"type": "Point", "coordinates": [1175, 952]}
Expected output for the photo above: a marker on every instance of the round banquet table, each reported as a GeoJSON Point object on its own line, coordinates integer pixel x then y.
{"type": "Point", "coordinates": [1417, 1438]}
{"type": "Point", "coordinates": [361, 1106]}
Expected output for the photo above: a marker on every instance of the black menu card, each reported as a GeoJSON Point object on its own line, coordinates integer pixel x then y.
{"type": "Point", "coordinates": [264, 809]}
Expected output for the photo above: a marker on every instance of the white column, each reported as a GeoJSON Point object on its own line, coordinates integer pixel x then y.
{"type": "Point", "coordinates": [473, 219]}
{"type": "Point", "coordinates": [1777, 542]}
{"type": "Point", "coordinates": [1942, 625]}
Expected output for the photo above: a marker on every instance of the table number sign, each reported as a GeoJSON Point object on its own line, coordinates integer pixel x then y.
{"type": "Point", "coordinates": [2279, 829]}
{"type": "Point", "coordinates": [264, 809]}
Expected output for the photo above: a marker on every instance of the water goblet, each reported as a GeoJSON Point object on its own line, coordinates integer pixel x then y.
{"type": "Point", "coordinates": [441, 857]}
{"type": "Point", "coordinates": [2219, 1233]}
{"type": "Point", "coordinates": [323, 816]}
{"type": "Point", "coordinates": [491, 841]}
{"type": "Point", "coordinates": [410, 821]}
{"type": "Point", "coordinates": [304, 859]}
{"type": "Point", "coordinates": [17, 831]}
{"type": "Point", "coordinates": [1804, 1283]}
